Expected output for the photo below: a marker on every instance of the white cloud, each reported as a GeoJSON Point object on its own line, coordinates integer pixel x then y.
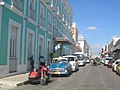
{"type": "Point", "coordinates": [91, 28]}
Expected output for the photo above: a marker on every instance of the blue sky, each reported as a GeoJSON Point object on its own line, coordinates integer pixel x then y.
{"type": "Point", "coordinates": [97, 20]}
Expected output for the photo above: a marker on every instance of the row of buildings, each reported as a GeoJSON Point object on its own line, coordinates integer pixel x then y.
{"type": "Point", "coordinates": [112, 48]}
{"type": "Point", "coordinates": [81, 41]}
{"type": "Point", "coordinates": [33, 28]}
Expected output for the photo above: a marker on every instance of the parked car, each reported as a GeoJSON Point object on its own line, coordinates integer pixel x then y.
{"type": "Point", "coordinates": [118, 69]}
{"type": "Point", "coordinates": [102, 60]}
{"type": "Point", "coordinates": [110, 63]}
{"type": "Point", "coordinates": [81, 62]}
{"type": "Point", "coordinates": [73, 61]}
{"type": "Point", "coordinates": [81, 59]}
{"type": "Point", "coordinates": [107, 59]}
{"type": "Point", "coordinates": [87, 59]}
{"type": "Point", "coordinates": [60, 66]}
{"type": "Point", "coordinates": [114, 65]}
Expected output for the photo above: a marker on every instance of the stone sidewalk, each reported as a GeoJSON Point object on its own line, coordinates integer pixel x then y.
{"type": "Point", "coordinates": [15, 80]}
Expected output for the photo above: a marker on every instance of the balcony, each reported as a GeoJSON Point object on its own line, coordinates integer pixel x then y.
{"type": "Point", "coordinates": [62, 40]}
{"type": "Point", "coordinates": [53, 8]}
{"type": "Point", "coordinates": [17, 4]}
{"type": "Point", "coordinates": [63, 18]}
{"type": "Point", "coordinates": [46, 1]}
{"type": "Point", "coordinates": [51, 5]}
{"type": "Point", "coordinates": [32, 14]}
{"type": "Point", "coordinates": [57, 13]}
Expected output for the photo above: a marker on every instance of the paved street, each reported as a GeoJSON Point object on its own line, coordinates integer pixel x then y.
{"type": "Point", "coordinates": [87, 78]}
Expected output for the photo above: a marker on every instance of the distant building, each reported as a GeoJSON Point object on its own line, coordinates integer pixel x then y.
{"type": "Point", "coordinates": [75, 32]}
{"type": "Point", "coordinates": [84, 46]}
{"type": "Point", "coordinates": [108, 49]}
{"type": "Point", "coordinates": [116, 50]}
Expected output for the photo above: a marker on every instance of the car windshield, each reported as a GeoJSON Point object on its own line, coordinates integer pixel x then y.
{"type": "Point", "coordinates": [60, 60]}
{"type": "Point", "coordinates": [55, 60]}
{"type": "Point", "coordinates": [80, 57]}
{"type": "Point", "coordinates": [111, 61]}
{"type": "Point", "coordinates": [70, 58]}
{"type": "Point", "coordinates": [108, 59]}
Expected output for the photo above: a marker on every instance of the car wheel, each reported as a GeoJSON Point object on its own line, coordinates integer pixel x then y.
{"type": "Point", "coordinates": [118, 73]}
{"type": "Point", "coordinates": [78, 69]}
{"type": "Point", "coordinates": [70, 72]}
{"type": "Point", "coordinates": [112, 70]}
{"type": "Point", "coordinates": [43, 81]}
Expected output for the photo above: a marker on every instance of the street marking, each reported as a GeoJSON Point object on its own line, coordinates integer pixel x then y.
{"type": "Point", "coordinates": [105, 86]}
{"type": "Point", "coordinates": [84, 78]}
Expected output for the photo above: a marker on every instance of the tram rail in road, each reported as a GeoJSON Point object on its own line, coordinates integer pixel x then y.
{"type": "Point", "coordinates": [93, 80]}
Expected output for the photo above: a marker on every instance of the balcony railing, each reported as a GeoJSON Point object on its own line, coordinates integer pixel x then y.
{"type": "Point", "coordinates": [32, 14]}
{"type": "Point", "coordinates": [17, 4]}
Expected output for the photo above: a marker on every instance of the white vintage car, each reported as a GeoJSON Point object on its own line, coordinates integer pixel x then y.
{"type": "Point", "coordinates": [73, 61]}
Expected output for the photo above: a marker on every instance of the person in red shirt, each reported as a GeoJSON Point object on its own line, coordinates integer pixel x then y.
{"type": "Point", "coordinates": [44, 71]}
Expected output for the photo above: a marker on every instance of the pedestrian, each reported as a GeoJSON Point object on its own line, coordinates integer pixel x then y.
{"type": "Point", "coordinates": [52, 55]}
{"type": "Point", "coordinates": [41, 59]}
{"type": "Point", "coordinates": [32, 62]}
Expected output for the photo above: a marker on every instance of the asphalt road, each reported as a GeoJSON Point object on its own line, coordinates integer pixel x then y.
{"type": "Point", "coordinates": [87, 78]}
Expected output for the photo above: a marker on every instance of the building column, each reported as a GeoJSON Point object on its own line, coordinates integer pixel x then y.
{"type": "Point", "coordinates": [45, 53]}
{"type": "Point", "coordinates": [36, 34]}
{"type": "Point", "coordinates": [23, 34]}
{"type": "Point", "coordinates": [0, 21]}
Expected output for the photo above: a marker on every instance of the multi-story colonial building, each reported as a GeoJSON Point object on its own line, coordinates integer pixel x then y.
{"type": "Point", "coordinates": [32, 28]}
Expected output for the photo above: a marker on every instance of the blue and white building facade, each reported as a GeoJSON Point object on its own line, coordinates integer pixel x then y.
{"type": "Point", "coordinates": [32, 28]}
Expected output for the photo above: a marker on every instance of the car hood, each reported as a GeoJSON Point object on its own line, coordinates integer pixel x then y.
{"type": "Point", "coordinates": [58, 65]}
{"type": "Point", "coordinates": [81, 61]}
{"type": "Point", "coordinates": [71, 62]}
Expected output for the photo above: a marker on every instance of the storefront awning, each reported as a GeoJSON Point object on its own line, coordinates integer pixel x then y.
{"type": "Point", "coordinates": [64, 40]}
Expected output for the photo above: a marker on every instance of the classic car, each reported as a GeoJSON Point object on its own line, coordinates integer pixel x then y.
{"type": "Point", "coordinates": [73, 61]}
{"type": "Point", "coordinates": [61, 66]}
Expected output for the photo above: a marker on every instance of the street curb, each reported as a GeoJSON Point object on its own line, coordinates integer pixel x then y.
{"type": "Point", "coordinates": [22, 83]}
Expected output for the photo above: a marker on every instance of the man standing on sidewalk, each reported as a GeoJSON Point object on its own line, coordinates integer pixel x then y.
{"type": "Point", "coordinates": [32, 62]}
